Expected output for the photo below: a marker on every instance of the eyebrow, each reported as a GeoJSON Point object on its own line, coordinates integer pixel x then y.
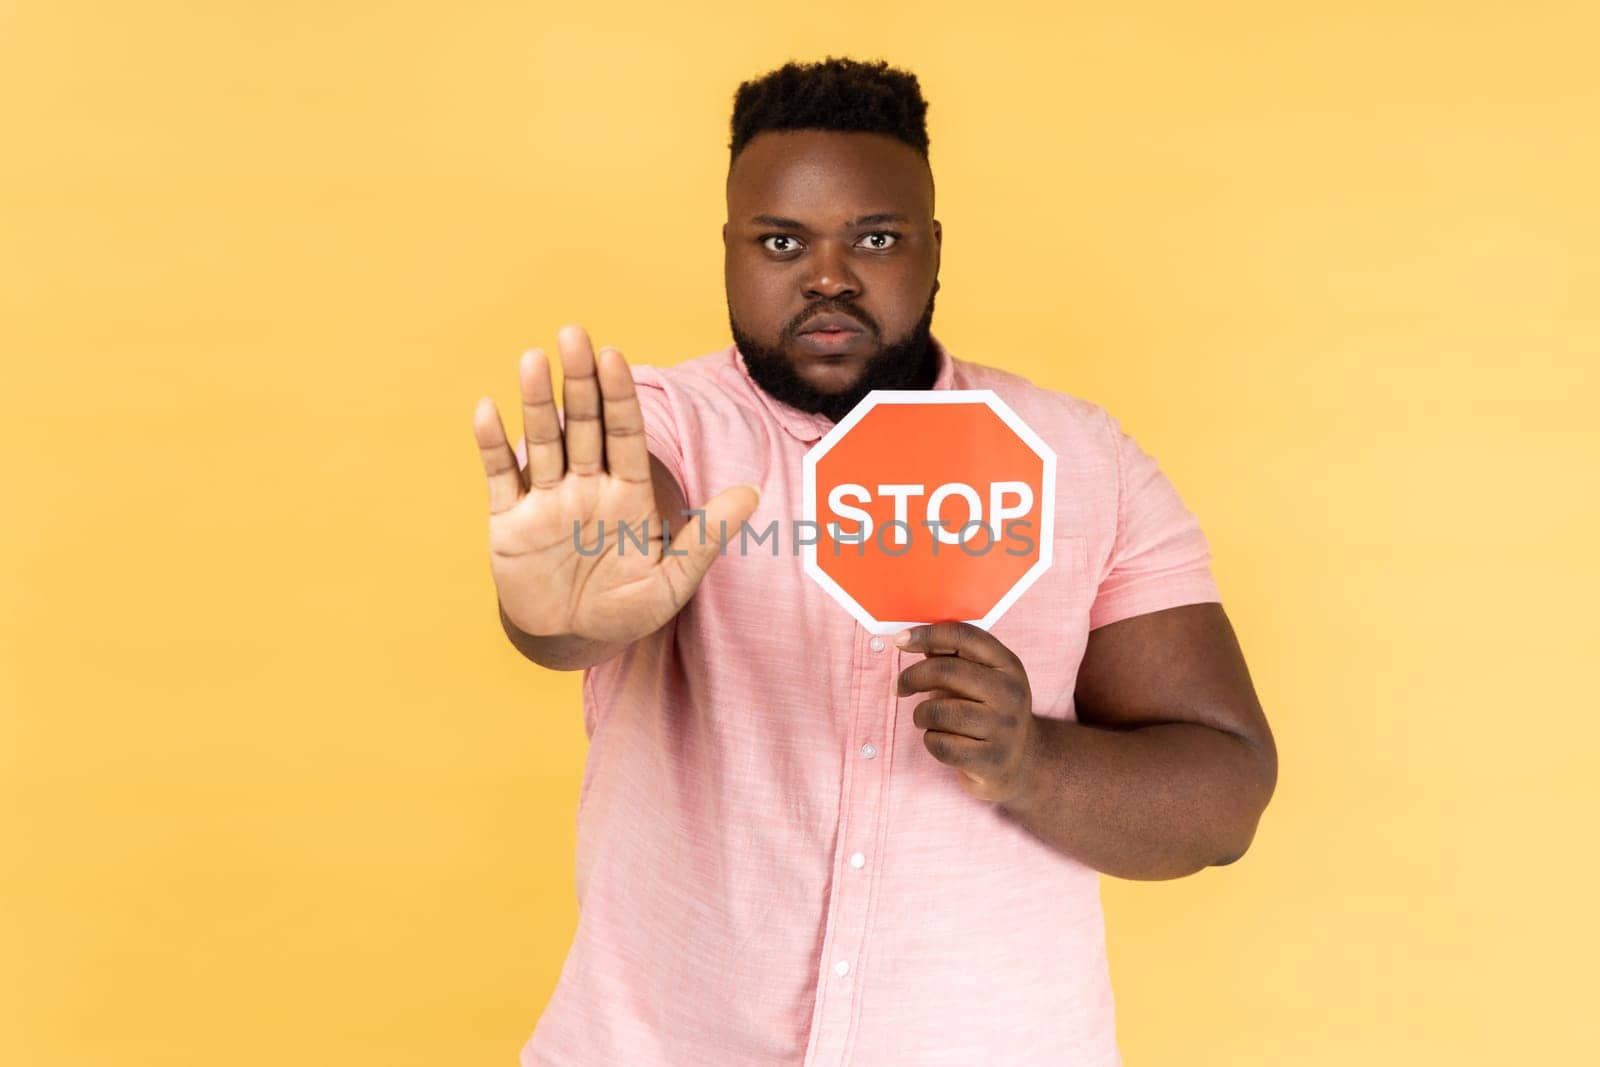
{"type": "Point", "coordinates": [783, 223]}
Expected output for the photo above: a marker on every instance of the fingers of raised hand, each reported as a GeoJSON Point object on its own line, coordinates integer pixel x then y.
{"type": "Point", "coordinates": [626, 455]}
{"type": "Point", "coordinates": [541, 427]}
{"type": "Point", "coordinates": [580, 402]}
{"type": "Point", "coordinates": [599, 428]}
{"type": "Point", "coordinates": [499, 462]}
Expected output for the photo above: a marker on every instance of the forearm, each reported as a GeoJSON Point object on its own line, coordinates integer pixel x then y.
{"type": "Point", "coordinates": [1155, 802]}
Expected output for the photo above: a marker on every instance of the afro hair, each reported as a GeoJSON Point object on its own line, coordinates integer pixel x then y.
{"type": "Point", "coordinates": [836, 94]}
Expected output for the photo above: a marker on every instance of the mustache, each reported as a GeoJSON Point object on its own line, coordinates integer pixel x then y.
{"type": "Point", "coordinates": [791, 330]}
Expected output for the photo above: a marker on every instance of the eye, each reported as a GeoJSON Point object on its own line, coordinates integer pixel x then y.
{"type": "Point", "coordinates": [879, 242]}
{"type": "Point", "coordinates": [788, 244]}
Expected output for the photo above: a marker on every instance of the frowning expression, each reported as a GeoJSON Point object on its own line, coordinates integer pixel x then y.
{"type": "Point", "coordinates": [831, 250]}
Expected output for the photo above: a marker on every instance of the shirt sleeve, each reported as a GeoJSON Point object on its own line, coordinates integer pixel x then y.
{"type": "Point", "coordinates": [1160, 557]}
{"type": "Point", "coordinates": [661, 436]}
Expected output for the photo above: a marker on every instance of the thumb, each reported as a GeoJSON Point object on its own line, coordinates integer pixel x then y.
{"type": "Point", "coordinates": [700, 543]}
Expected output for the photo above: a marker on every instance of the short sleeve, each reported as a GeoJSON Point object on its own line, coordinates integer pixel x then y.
{"type": "Point", "coordinates": [661, 437]}
{"type": "Point", "coordinates": [1160, 557]}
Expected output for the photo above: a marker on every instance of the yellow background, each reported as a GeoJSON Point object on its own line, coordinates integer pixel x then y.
{"type": "Point", "coordinates": [275, 788]}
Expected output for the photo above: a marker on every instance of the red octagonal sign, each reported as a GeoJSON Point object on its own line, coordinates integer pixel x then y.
{"type": "Point", "coordinates": [929, 506]}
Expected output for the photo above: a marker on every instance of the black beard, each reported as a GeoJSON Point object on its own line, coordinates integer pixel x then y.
{"type": "Point", "coordinates": [909, 363]}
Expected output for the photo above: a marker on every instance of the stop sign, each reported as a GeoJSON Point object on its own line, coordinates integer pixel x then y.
{"type": "Point", "coordinates": [929, 505]}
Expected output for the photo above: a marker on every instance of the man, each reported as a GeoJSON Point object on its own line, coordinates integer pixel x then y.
{"type": "Point", "coordinates": [799, 842]}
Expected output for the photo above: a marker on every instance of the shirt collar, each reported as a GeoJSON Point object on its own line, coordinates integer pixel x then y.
{"type": "Point", "coordinates": [809, 427]}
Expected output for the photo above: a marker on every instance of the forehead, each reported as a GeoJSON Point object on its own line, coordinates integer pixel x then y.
{"type": "Point", "coordinates": [822, 174]}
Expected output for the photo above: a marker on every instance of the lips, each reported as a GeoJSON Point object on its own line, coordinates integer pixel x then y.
{"type": "Point", "coordinates": [832, 325]}
{"type": "Point", "coordinates": [833, 343]}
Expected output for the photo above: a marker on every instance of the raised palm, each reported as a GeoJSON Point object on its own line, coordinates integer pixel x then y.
{"type": "Point", "coordinates": [590, 474]}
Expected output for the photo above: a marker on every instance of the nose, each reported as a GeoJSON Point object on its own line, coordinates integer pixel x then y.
{"type": "Point", "coordinates": [829, 276]}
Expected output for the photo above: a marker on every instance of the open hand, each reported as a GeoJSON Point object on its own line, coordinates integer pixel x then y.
{"type": "Point", "coordinates": [586, 474]}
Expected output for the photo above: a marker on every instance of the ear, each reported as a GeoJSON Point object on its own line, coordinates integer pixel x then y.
{"type": "Point", "coordinates": [938, 245]}
{"type": "Point", "coordinates": [724, 235]}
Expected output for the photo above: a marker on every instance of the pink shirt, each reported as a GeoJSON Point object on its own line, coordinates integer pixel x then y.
{"type": "Point", "coordinates": [771, 868]}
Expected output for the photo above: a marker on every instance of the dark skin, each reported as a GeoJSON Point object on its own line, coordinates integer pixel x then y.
{"type": "Point", "coordinates": [1170, 762]}
{"type": "Point", "coordinates": [843, 219]}
{"type": "Point", "coordinates": [1165, 772]}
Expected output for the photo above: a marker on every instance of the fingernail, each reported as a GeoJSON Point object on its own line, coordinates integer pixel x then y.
{"type": "Point", "coordinates": [903, 638]}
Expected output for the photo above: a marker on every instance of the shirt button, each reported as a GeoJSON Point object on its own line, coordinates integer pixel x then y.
{"type": "Point", "coordinates": [868, 751]}
{"type": "Point", "coordinates": [841, 968]}
{"type": "Point", "coordinates": [876, 644]}
{"type": "Point", "coordinates": [858, 860]}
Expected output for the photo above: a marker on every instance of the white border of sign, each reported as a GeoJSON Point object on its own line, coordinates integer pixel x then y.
{"type": "Point", "coordinates": [1047, 496]}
